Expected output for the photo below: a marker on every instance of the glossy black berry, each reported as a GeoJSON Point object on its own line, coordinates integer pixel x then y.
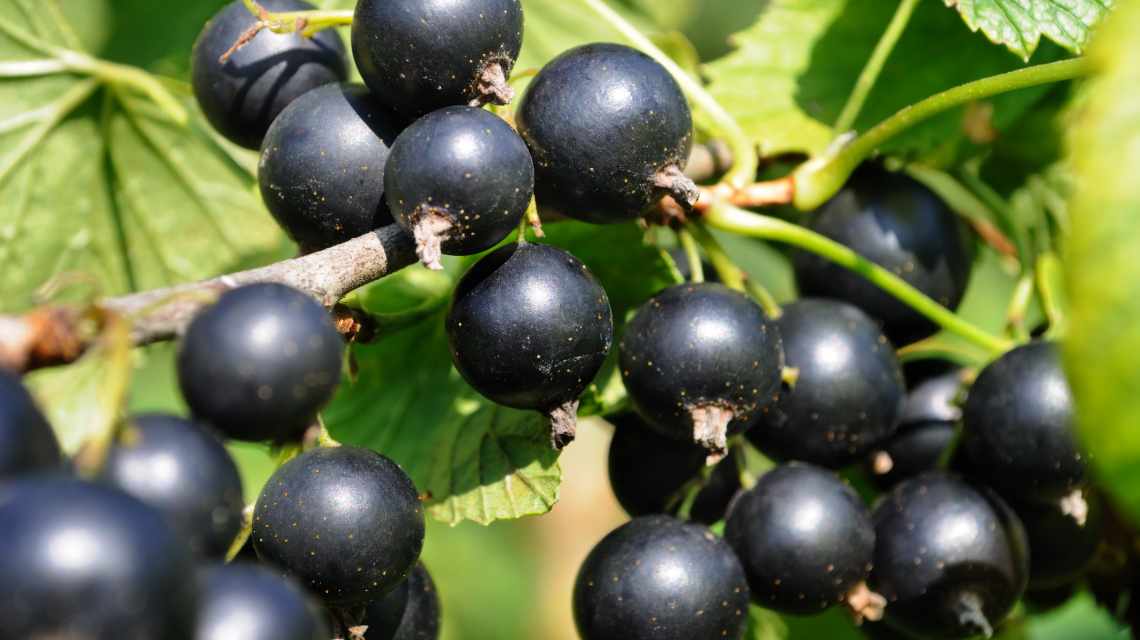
{"type": "Point", "coordinates": [1019, 426]}
{"type": "Point", "coordinates": [459, 179]}
{"type": "Point", "coordinates": [804, 537]}
{"type": "Point", "coordinates": [610, 133]}
{"type": "Point", "coordinates": [345, 521]}
{"type": "Point", "coordinates": [27, 442]}
{"type": "Point", "coordinates": [928, 425]}
{"type": "Point", "coordinates": [658, 578]}
{"type": "Point", "coordinates": [699, 361]}
{"type": "Point", "coordinates": [81, 560]}
{"type": "Point", "coordinates": [529, 327]}
{"type": "Point", "coordinates": [243, 95]}
{"type": "Point", "coordinates": [847, 394]}
{"type": "Point", "coordinates": [951, 559]}
{"type": "Point", "coordinates": [260, 363]}
{"type": "Point", "coordinates": [408, 612]}
{"type": "Point", "coordinates": [421, 56]}
{"type": "Point", "coordinates": [255, 603]}
{"type": "Point", "coordinates": [1063, 537]}
{"type": "Point", "coordinates": [648, 470]}
{"type": "Point", "coordinates": [720, 487]}
{"type": "Point", "coordinates": [902, 226]}
{"type": "Point", "coordinates": [323, 163]}
{"type": "Point", "coordinates": [183, 471]}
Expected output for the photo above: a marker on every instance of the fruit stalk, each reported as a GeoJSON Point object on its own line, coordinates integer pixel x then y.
{"type": "Point", "coordinates": [874, 66]}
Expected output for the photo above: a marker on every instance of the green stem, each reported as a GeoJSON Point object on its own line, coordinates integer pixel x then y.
{"type": "Point", "coordinates": [308, 23]}
{"type": "Point", "coordinates": [733, 276]}
{"type": "Point", "coordinates": [242, 535]}
{"type": "Point", "coordinates": [743, 151]}
{"type": "Point", "coordinates": [874, 66]}
{"type": "Point", "coordinates": [1049, 287]}
{"type": "Point", "coordinates": [729, 218]}
{"type": "Point", "coordinates": [692, 255]}
{"type": "Point", "coordinates": [1018, 304]}
{"type": "Point", "coordinates": [821, 177]}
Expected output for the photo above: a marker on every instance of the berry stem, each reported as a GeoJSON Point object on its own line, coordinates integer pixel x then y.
{"type": "Point", "coordinates": [743, 150]}
{"type": "Point", "coordinates": [874, 66]}
{"type": "Point", "coordinates": [306, 22]}
{"type": "Point", "coordinates": [1049, 287]}
{"type": "Point", "coordinates": [820, 178]}
{"type": "Point", "coordinates": [242, 535]}
{"type": "Point", "coordinates": [967, 205]}
{"type": "Point", "coordinates": [692, 255]}
{"type": "Point", "coordinates": [733, 276]}
{"type": "Point", "coordinates": [735, 220]}
{"type": "Point", "coordinates": [969, 609]}
{"type": "Point", "coordinates": [1018, 304]}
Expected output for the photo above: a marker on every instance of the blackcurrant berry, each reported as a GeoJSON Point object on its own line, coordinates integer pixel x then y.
{"type": "Point", "coordinates": [848, 392]}
{"type": "Point", "coordinates": [260, 363]}
{"type": "Point", "coordinates": [951, 559]}
{"type": "Point", "coordinates": [1063, 537]}
{"type": "Point", "coordinates": [255, 603]}
{"type": "Point", "coordinates": [408, 612]}
{"type": "Point", "coordinates": [805, 540]}
{"type": "Point", "coordinates": [647, 470]}
{"type": "Point", "coordinates": [610, 132]}
{"type": "Point", "coordinates": [27, 442]}
{"type": "Point", "coordinates": [243, 95]}
{"type": "Point", "coordinates": [459, 179]}
{"type": "Point", "coordinates": [529, 327]}
{"type": "Point", "coordinates": [422, 56]}
{"type": "Point", "coordinates": [899, 224]}
{"type": "Point", "coordinates": [697, 356]}
{"type": "Point", "coordinates": [322, 166]}
{"type": "Point", "coordinates": [720, 487]}
{"type": "Point", "coordinates": [928, 425]}
{"type": "Point", "coordinates": [658, 578]}
{"type": "Point", "coordinates": [81, 560]}
{"type": "Point", "coordinates": [178, 468]}
{"type": "Point", "coordinates": [1019, 426]}
{"type": "Point", "coordinates": [345, 521]}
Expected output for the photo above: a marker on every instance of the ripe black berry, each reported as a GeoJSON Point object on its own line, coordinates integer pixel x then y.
{"type": "Point", "coordinates": [805, 540]}
{"type": "Point", "coordinates": [254, 603]}
{"type": "Point", "coordinates": [902, 226]}
{"type": "Point", "coordinates": [243, 95]}
{"type": "Point", "coordinates": [648, 470]}
{"type": "Point", "coordinates": [847, 395]}
{"type": "Point", "coordinates": [928, 425]}
{"type": "Point", "coordinates": [260, 363]}
{"type": "Point", "coordinates": [322, 166]}
{"type": "Point", "coordinates": [345, 521]}
{"type": "Point", "coordinates": [1063, 538]}
{"type": "Point", "coordinates": [697, 356]}
{"type": "Point", "coordinates": [81, 560]}
{"type": "Point", "coordinates": [610, 132]}
{"type": "Point", "coordinates": [529, 327]}
{"type": "Point", "coordinates": [459, 179]}
{"type": "Point", "coordinates": [950, 559]}
{"type": "Point", "coordinates": [1019, 422]}
{"type": "Point", "coordinates": [658, 578]}
{"type": "Point", "coordinates": [422, 56]}
{"type": "Point", "coordinates": [184, 472]}
{"type": "Point", "coordinates": [27, 442]}
{"type": "Point", "coordinates": [408, 612]}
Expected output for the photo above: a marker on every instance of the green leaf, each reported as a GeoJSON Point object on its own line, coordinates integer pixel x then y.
{"type": "Point", "coordinates": [553, 26]}
{"type": "Point", "coordinates": [764, 624]}
{"type": "Point", "coordinates": [1019, 24]}
{"type": "Point", "coordinates": [793, 70]}
{"type": "Point", "coordinates": [1103, 275]}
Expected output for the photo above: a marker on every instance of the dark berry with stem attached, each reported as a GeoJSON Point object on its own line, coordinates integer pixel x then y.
{"type": "Point", "coordinates": [183, 471]}
{"type": "Point", "coordinates": [899, 224]}
{"type": "Point", "coordinates": [255, 603]}
{"type": "Point", "coordinates": [699, 361]}
{"type": "Point", "coordinates": [928, 426]}
{"type": "Point", "coordinates": [610, 132]}
{"type": "Point", "coordinates": [322, 165]}
{"type": "Point", "coordinates": [805, 540]}
{"type": "Point", "coordinates": [658, 578]}
{"type": "Point", "coordinates": [260, 363]}
{"type": "Point", "coordinates": [720, 487]}
{"type": "Point", "coordinates": [1019, 426]}
{"type": "Point", "coordinates": [951, 559]}
{"type": "Point", "coordinates": [848, 390]}
{"type": "Point", "coordinates": [529, 327]}
{"type": "Point", "coordinates": [345, 521]}
{"type": "Point", "coordinates": [459, 179]}
{"type": "Point", "coordinates": [243, 95]}
{"type": "Point", "coordinates": [82, 560]}
{"type": "Point", "coordinates": [421, 56]}
{"type": "Point", "coordinates": [27, 442]}
{"type": "Point", "coordinates": [1063, 538]}
{"type": "Point", "coordinates": [408, 612]}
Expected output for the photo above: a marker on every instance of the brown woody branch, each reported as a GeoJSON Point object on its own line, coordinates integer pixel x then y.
{"type": "Point", "coordinates": [54, 335]}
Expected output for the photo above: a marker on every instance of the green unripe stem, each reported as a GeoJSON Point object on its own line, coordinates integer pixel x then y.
{"type": "Point", "coordinates": [731, 275]}
{"type": "Point", "coordinates": [307, 23]}
{"type": "Point", "coordinates": [692, 255]}
{"type": "Point", "coordinates": [820, 178]}
{"type": "Point", "coordinates": [874, 65]}
{"type": "Point", "coordinates": [1049, 287]}
{"type": "Point", "coordinates": [732, 219]}
{"type": "Point", "coordinates": [1018, 304]}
